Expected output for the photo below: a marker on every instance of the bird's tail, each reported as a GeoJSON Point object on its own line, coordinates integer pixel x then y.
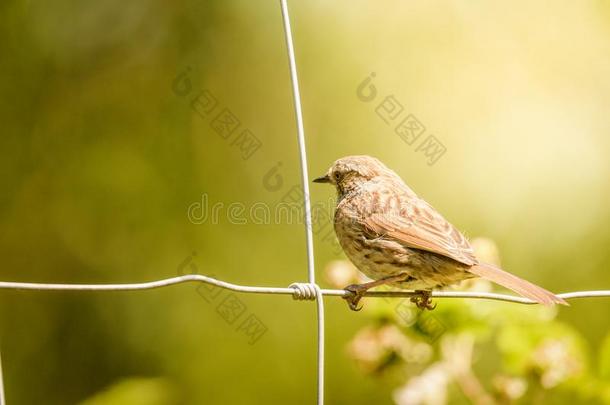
{"type": "Point", "coordinates": [518, 285]}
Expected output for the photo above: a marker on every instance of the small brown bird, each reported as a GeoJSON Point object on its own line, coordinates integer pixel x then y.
{"type": "Point", "coordinates": [396, 238]}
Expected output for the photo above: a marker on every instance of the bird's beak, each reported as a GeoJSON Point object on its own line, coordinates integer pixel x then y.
{"type": "Point", "coordinates": [322, 179]}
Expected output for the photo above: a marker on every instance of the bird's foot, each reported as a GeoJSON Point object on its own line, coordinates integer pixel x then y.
{"type": "Point", "coordinates": [422, 300]}
{"type": "Point", "coordinates": [357, 292]}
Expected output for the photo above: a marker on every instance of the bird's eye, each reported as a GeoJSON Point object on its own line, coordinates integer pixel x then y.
{"type": "Point", "coordinates": [337, 175]}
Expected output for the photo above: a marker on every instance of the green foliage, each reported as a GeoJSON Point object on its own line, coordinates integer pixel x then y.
{"type": "Point", "coordinates": [539, 357]}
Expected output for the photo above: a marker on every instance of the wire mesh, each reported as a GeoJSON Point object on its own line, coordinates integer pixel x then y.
{"type": "Point", "coordinates": [300, 291]}
{"type": "Point", "coordinates": [306, 201]}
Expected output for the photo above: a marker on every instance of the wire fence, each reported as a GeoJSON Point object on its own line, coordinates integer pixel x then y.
{"type": "Point", "coordinates": [299, 291]}
{"type": "Point", "coordinates": [311, 274]}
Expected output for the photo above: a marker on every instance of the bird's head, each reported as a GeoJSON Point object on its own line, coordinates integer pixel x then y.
{"type": "Point", "coordinates": [350, 172]}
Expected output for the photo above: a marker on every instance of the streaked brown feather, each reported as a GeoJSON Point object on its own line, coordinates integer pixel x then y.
{"type": "Point", "coordinates": [425, 229]}
{"type": "Point", "coordinates": [516, 284]}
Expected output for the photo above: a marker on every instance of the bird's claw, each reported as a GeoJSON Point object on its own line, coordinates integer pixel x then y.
{"type": "Point", "coordinates": [422, 300]}
{"type": "Point", "coordinates": [356, 294]}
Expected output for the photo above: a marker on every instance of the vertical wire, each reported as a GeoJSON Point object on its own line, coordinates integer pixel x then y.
{"type": "Point", "coordinates": [320, 302]}
{"type": "Point", "coordinates": [301, 138]}
{"type": "Point", "coordinates": [306, 202]}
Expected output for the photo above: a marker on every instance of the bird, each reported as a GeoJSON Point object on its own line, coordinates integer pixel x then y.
{"type": "Point", "coordinates": [396, 238]}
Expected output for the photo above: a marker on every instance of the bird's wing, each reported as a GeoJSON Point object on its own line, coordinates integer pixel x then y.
{"type": "Point", "coordinates": [418, 225]}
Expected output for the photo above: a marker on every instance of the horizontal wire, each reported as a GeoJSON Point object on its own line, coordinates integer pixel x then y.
{"type": "Point", "coordinates": [150, 285]}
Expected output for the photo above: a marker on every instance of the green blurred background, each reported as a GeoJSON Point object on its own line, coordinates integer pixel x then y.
{"type": "Point", "coordinates": [100, 159]}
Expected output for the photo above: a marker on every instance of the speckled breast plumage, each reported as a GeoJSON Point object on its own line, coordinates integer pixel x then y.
{"type": "Point", "coordinates": [379, 256]}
